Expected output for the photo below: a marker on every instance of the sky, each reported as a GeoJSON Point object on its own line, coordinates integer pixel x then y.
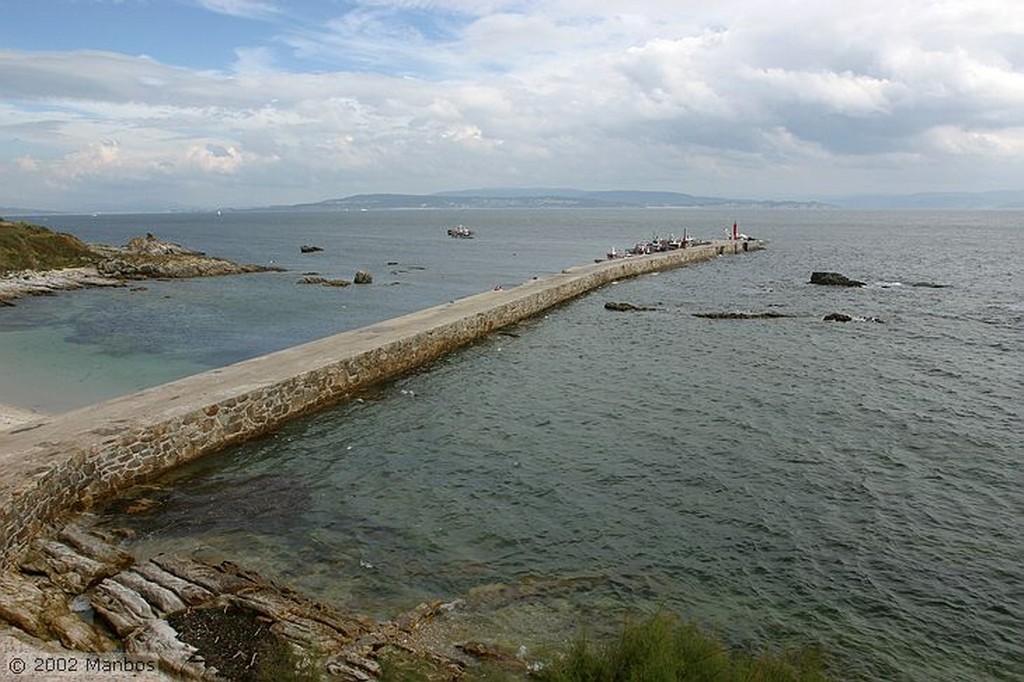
{"type": "Point", "coordinates": [171, 104]}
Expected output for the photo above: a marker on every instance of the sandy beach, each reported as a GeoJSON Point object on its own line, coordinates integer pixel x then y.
{"type": "Point", "coordinates": [12, 416]}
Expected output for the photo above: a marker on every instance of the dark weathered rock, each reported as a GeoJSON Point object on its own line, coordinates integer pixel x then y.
{"type": "Point", "coordinates": [152, 246]}
{"type": "Point", "coordinates": [834, 279]}
{"type": "Point", "coordinates": [173, 267]}
{"type": "Point", "coordinates": [22, 604]}
{"type": "Point", "coordinates": [624, 307]}
{"type": "Point", "coordinates": [90, 544]}
{"type": "Point", "coordinates": [837, 317]}
{"type": "Point", "coordinates": [308, 248]}
{"type": "Point", "coordinates": [64, 566]}
{"type": "Point", "coordinates": [363, 277]}
{"type": "Point", "coordinates": [151, 258]}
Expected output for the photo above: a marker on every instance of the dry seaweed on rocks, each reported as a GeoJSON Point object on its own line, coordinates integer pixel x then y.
{"type": "Point", "coordinates": [237, 641]}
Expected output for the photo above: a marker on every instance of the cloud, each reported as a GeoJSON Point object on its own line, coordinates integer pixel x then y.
{"type": "Point", "coordinates": [734, 98]}
{"type": "Point", "coordinates": [222, 159]}
{"type": "Point", "coordinates": [982, 143]}
{"type": "Point", "coordinates": [248, 9]}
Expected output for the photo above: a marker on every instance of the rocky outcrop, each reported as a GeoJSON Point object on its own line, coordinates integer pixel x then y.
{"type": "Point", "coordinates": [834, 279]}
{"type": "Point", "coordinates": [128, 268]}
{"type": "Point", "coordinates": [151, 246]}
{"type": "Point", "coordinates": [309, 248]}
{"type": "Point", "coordinates": [363, 277]}
{"type": "Point", "coordinates": [141, 258]}
{"type": "Point", "coordinates": [151, 258]}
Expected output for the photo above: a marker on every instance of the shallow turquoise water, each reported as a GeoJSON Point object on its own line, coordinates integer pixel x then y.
{"type": "Point", "coordinates": [787, 481]}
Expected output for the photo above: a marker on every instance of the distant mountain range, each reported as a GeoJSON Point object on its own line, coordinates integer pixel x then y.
{"type": "Point", "coordinates": [14, 211]}
{"type": "Point", "coordinates": [539, 198]}
{"type": "Point", "coordinates": [575, 198]}
{"type": "Point", "coordinates": [510, 197]}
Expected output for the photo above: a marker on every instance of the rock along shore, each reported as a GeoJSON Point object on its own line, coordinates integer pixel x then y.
{"type": "Point", "coordinates": [141, 258]}
{"type": "Point", "coordinates": [47, 282]}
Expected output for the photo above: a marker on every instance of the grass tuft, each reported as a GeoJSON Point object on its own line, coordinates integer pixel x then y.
{"type": "Point", "coordinates": [663, 649]}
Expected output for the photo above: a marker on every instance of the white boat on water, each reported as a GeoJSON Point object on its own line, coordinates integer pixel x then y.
{"type": "Point", "coordinates": [460, 232]}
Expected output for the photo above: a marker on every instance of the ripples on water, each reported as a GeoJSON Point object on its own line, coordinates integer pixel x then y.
{"type": "Point", "coordinates": [786, 481]}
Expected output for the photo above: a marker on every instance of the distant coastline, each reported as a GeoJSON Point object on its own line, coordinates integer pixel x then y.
{"type": "Point", "coordinates": [552, 198]}
{"type": "Point", "coordinates": [537, 199]}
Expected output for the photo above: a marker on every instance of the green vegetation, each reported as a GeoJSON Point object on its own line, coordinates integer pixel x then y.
{"type": "Point", "coordinates": [665, 649]}
{"type": "Point", "coordinates": [660, 649]}
{"type": "Point", "coordinates": [31, 247]}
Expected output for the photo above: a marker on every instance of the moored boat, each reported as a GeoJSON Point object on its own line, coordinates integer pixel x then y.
{"type": "Point", "coordinates": [460, 232]}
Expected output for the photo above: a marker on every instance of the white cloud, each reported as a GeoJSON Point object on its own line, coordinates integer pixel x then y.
{"type": "Point", "coordinates": [225, 159]}
{"type": "Point", "coordinates": [711, 98]}
{"type": "Point", "coordinates": [991, 144]}
{"type": "Point", "coordinates": [249, 9]}
{"type": "Point", "coordinates": [844, 93]}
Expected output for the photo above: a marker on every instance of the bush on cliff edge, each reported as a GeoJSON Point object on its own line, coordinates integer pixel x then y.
{"type": "Point", "coordinates": [31, 247]}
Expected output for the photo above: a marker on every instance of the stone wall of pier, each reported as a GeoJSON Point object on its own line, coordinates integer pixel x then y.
{"type": "Point", "coordinates": [62, 464]}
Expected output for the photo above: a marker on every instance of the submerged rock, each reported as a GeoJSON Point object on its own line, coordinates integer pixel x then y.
{"type": "Point", "coordinates": [843, 317]}
{"type": "Point", "coordinates": [834, 279]}
{"type": "Point", "coordinates": [741, 316]}
{"type": "Point", "coordinates": [622, 306]}
{"type": "Point", "coordinates": [323, 281]}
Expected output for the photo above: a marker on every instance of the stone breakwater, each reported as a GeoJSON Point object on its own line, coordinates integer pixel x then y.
{"type": "Point", "coordinates": [55, 466]}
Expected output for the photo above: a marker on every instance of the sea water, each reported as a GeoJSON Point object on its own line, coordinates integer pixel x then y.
{"type": "Point", "coordinates": [785, 482]}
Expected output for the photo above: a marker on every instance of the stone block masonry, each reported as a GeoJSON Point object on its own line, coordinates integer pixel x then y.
{"type": "Point", "coordinates": [58, 465]}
